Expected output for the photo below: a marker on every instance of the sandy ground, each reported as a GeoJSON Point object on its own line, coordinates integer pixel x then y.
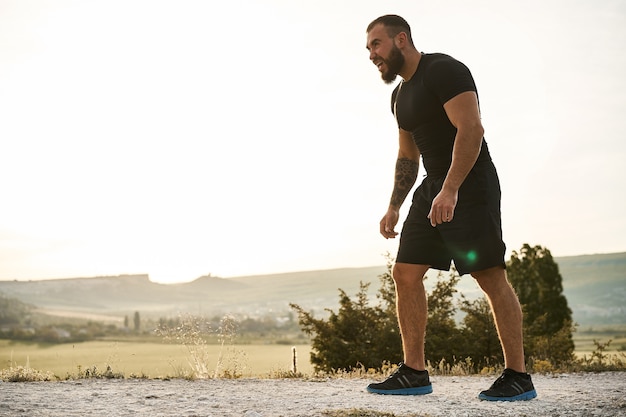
{"type": "Point", "coordinates": [584, 394]}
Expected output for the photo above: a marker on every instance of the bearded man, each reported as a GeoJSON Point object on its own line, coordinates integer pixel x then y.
{"type": "Point", "coordinates": [455, 211]}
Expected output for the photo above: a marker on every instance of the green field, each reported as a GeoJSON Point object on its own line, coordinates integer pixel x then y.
{"type": "Point", "coordinates": [150, 359]}
{"type": "Point", "coordinates": [156, 359]}
{"type": "Point", "coordinates": [585, 335]}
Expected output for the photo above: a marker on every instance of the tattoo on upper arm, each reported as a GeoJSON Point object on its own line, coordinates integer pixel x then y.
{"type": "Point", "coordinates": [406, 174]}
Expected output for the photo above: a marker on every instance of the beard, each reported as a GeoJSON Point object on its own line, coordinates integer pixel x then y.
{"type": "Point", "coordinates": [394, 64]}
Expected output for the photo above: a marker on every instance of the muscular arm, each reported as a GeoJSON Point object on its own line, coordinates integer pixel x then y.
{"type": "Point", "coordinates": [407, 166]}
{"type": "Point", "coordinates": [463, 112]}
{"type": "Point", "coordinates": [406, 174]}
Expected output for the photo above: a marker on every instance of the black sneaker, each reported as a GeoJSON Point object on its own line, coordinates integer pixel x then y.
{"type": "Point", "coordinates": [510, 386]}
{"type": "Point", "coordinates": [404, 381]}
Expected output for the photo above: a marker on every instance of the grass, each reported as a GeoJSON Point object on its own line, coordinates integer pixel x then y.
{"type": "Point", "coordinates": [191, 355]}
{"type": "Point", "coordinates": [25, 374]}
{"type": "Point", "coordinates": [150, 359]}
{"type": "Point", "coordinates": [585, 335]}
{"type": "Point", "coordinates": [146, 359]}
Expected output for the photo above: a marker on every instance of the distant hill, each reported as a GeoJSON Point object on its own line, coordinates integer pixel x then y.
{"type": "Point", "coordinates": [595, 286]}
{"type": "Point", "coordinates": [254, 295]}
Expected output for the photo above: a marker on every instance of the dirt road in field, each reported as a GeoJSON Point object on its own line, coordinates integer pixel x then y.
{"type": "Point", "coordinates": [581, 395]}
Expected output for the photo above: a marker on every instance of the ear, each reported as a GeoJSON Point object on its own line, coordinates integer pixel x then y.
{"type": "Point", "coordinates": [401, 40]}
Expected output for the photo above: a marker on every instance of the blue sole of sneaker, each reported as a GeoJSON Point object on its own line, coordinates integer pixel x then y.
{"type": "Point", "coordinates": [522, 397]}
{"type": "Point", "coordinates": [404, 391]}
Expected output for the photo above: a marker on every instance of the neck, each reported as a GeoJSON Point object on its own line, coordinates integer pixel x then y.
{"type": "Point", "coordinates": [411, 60]}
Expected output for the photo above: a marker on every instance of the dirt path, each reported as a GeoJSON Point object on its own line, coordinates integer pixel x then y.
{"type": "Point", "coordinates": [581, 395]}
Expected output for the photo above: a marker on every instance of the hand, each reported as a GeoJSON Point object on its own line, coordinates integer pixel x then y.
{"type": "Point", "coordinates": [388, 223]}
{"type": "Point", "coordinates": [442, 209]}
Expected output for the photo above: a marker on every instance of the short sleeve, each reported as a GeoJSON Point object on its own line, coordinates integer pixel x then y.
{"type": "Point", "coordinates": [394, 94]}
{"type": "Point", "coordinates": [447, 78]}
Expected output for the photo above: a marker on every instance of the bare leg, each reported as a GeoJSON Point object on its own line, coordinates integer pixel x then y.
{"type": "Point", "coordinates": [507, 314]}
{"type": "Point", "coordinates": [412, 310]}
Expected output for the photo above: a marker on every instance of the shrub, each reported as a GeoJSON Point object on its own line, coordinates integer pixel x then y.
{"type": "Point", "coordinates": [24, 374]}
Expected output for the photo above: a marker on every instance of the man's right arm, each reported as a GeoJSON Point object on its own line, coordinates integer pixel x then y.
{"type": "Point", "coordinates": [407, 166]}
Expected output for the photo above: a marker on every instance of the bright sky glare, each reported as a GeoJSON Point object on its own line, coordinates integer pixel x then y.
{"type": "Point", "coordinates": [181, 138]}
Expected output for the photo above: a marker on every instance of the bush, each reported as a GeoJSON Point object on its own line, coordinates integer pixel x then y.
{"type": "Point", "coordinates": [358, 335]}
{"type": "Point", "coordinates": [24, 374]}
{"type": "Point", "coordinates": [548, 324]}
{"type": "Point", "coordinates": [362, 335]}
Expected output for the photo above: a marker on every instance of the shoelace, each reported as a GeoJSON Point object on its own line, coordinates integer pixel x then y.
{"type": "Point", "coordinates": [396, 372]}
{"type": "Point", "coordinates": [499, 381]}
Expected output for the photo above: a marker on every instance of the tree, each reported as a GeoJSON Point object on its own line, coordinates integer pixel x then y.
{"type": "Point", "coordinates": [442, 334]}
{"type": "Point", "coordinates": [359, 334]}
{"type": "Point", "coordinates": [547, 318]}
{"type": "Point", "coordinates": [368, 335]}
{"type": "Point", "coordinates": [137, 321]}
{"type": "Point", "coordinates": [480, 337]}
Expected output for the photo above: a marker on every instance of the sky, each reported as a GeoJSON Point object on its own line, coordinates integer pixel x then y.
{"type": "Point", "coordinates": [186, 138]}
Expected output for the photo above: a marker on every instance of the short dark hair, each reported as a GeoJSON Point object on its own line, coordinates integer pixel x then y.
{"type": "Point", "coordinates": [394, 24]}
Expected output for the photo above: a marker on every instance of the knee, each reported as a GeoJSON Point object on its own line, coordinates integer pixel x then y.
{"type": "Point", "coordinates": [408, 274]}
{"type": "Point", "coordinates": [491, 280]}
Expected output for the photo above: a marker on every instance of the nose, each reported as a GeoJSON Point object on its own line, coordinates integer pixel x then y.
{"type": "Point", "coordinates": [372, 55]}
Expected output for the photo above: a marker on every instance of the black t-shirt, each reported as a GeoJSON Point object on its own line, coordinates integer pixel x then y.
{"type": "Point", "coordinates": [418, 107]}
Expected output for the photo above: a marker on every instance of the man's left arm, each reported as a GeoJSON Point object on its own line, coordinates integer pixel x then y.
{"type": "Point", "coordinates": [464, 114]}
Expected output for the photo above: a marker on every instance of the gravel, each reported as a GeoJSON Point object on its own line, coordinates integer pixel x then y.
{"type": "Point", "coordinates": [584, 394]}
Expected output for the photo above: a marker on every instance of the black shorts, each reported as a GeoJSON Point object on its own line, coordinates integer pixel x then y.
{"type": "Point", "coordinates": [473, 239]}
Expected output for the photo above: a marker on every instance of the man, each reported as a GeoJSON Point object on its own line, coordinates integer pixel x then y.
{"type": "Point", "coordinates": [455, 213]}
